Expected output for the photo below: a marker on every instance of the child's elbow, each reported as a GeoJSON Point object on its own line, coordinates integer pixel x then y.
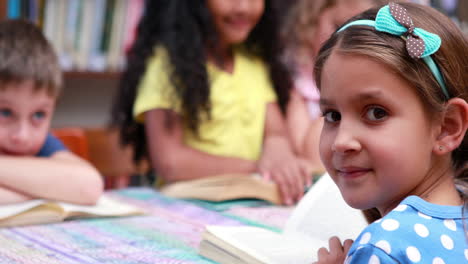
{"type": "Point", "coordinates": [91, 188]}
{"type": "Point", "coordinates": [168, 168]}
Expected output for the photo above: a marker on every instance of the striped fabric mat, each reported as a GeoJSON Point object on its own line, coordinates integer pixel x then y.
{"type": "Point", "coordinates": [169, 233]}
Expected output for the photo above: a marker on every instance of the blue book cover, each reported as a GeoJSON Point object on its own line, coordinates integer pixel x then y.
{"type": "Point", "coordinates": [14, 9]}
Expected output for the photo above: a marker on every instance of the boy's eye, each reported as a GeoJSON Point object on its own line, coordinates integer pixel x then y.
{"type": "Point", "coordinates": [39, 115]}
{"type": "Point", "coordinates": [332, 116]}
{"type": "Point", "coordinates": [376, 114]}
{"type": "Point", "coordinates": [5, 112]}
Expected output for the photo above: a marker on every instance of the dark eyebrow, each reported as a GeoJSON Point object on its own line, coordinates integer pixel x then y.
{"type": "Point", "coordinates": [368, 95]}
{"type": "Point", "coordinates": [365, 96]}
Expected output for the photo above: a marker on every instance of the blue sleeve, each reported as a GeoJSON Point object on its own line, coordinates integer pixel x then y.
{"type": "Point", "coordinates": [369, 254]}
{"type": "Point", "coordinates": [51, 145]}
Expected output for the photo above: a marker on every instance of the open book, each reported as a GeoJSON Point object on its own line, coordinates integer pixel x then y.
{"type": "Point", "coordinates": [321, 214]}
{"type": "Point", "coordinates": [225, 187]}
{"type": "Point", "coordinates": [41, 211]}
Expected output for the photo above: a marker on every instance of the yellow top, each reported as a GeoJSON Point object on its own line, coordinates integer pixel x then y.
{"type": "Point", "coordinates": [238, 104]}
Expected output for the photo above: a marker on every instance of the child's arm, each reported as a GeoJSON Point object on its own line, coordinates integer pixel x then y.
{"type": "Point", "coordinates": [304, 131]}
{"type": "Point", "coordinates": [297, 120]}
{"type": "Point", "coordinates": [8, 196]}
{"type": "Point", "coordinates": [279, 161]}
{"type": "Point", "coordinates": [63, 176]}
{"type": "Point", "coordinates": [176, 161]}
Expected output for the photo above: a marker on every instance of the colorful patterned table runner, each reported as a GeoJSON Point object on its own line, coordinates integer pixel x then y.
{"type": "Point", "coordinates": [169, 233]}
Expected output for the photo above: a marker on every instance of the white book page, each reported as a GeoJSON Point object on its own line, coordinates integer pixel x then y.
{"type": "Point", "coordinates": [14, 209]}
{"type": "Point", "coordinates": [323, 213]}
{"type": "Point", "coordinates": [268, 246]}
{"type": "Point", "coordinates": [105, 206]}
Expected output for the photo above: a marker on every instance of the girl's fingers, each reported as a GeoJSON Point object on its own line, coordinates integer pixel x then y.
{"type": "Point", "coordinates": [322, 253]}
{"type": "Point", "coordinates": [283, 188]}
{"type": "Point", "coordinates": [335, 244]}
{"type": "Point", "coordinates": [347, 245]}
{"type": "Point", "coordinates": [295, 181]}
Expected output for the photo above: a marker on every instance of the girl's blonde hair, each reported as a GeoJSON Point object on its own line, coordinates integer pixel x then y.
{"type": "Point", "coordinates": [452, 59]}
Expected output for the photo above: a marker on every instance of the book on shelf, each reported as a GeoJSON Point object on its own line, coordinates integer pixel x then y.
{"type": "Point", "coordinates": [41, 211]}
{"type": "Point", "coordinates": [319, 215]}
{"type": "Point", "coordinates": [87, 35]}
{"type": "Point", "coordinates": [225, 187]}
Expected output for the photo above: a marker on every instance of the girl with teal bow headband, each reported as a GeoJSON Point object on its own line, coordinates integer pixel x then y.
{"type": "Point", "coordinates": [395, 134]}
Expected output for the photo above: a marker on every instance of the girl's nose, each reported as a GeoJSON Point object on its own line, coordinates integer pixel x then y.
{"type": "Point", "coordinates": [346, 140]}
{"type": "Point", "coordinates": [242, 5]}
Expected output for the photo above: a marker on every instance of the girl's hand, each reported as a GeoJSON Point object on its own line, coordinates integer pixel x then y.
{"type": "Point", "coordinates": [337, 253]}
{"type": "Point", "coordinates": [278, 161]}
{"type": "Point", "coordinates": [290, 173]}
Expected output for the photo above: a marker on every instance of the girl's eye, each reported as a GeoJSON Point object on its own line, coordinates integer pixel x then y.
{"type": "Point", "coordinates": [376, 114]}
{"type": "Point", "coordinates": [332, 116]}
{"type": "Point", "coordinates": [39, 115]}
{"type": "Point", "coordinates": [5, 112]}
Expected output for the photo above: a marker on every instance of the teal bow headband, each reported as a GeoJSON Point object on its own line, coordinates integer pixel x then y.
{"type": "Point", "coordinates": [394, 19]}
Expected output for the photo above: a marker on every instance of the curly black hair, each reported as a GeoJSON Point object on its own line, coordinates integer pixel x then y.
{"type": "Point", "coordinates": [185, 29]}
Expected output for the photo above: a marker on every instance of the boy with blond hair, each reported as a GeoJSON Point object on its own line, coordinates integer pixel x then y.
{"type": "Point", "coordinates": [33, 163]}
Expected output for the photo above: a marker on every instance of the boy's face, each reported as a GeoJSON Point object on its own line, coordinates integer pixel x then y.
{"type": "Point", "coordinates": [25, 117]}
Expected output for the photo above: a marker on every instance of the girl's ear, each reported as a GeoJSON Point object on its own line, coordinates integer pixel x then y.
{"type": "Point", "coordinates": [453, 126]}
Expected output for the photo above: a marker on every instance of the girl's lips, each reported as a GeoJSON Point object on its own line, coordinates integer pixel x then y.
{"type": "Point", "coordinates": [352, 173]}
{"type": "Point", "coordinates": [238, 23]}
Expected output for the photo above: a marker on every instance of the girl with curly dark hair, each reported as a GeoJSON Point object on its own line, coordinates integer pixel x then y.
{"type": "Point", "coordinates": [204, 93]}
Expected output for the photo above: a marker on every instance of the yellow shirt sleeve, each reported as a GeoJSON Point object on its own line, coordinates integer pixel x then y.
{"type": "Point", "coordinates": [155, 89]}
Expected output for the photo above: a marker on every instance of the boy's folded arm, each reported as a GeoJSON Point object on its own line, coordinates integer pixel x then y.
{"type": "Point", "coordinates": [9, 196]}
{"type": "Point", "coordinates": [63, 176]}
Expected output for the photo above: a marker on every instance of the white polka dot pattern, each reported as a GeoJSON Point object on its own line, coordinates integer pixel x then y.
{"type": "Point", "coordinates": [424, 216]}
{"type": "Point", "coordinates": [413, 232]}
{"type": "Point", "coordinates": [421, 230]}
{"type": "Point", "coordinates": [450, 224]}
{"type": "Point", "coordinates": [447, 242]}
{"type": "Point", "coordinates": [365, 238]}
{"type": "Point", "coordinates": [438, 261]}
{"type": "Point", "coordinates": [374, 260]}
{"type": "Point", "coordinates": [390, 224]}
{"type": "Point", "coordinates": [400, 208]}
{"type": "Point", "coordinates": [413, 254]}
{"type": "Point", "coordinates": [385, 246]}
{"type": "Point", "coordinates": [414, 44]}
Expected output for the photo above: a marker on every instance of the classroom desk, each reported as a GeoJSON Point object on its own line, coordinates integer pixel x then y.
{"type": "Point", "coordinates": [169, 233]}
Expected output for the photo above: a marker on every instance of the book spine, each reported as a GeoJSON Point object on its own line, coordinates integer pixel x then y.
{"type": "Point", "coordinates": [14, 9]}
{"type": "Point", "coordinates": [134, 13]}
{"type": "Point", "coordinates": [114, 57]}
{"type": "Point", "coordinates": [33, 12]}
{"type": "Point", "coordinates": [85, 35]}
{"type": "Point", "coordinates": [107, 26]}
{"type": "Point", "coordinates": [71, 31]}
{"type": "Point", "coordinates": [40, 13]}
{"type": "Point", "coordinates": [96, 60]}
{"type": "Point", "coordinates": [50, 21]}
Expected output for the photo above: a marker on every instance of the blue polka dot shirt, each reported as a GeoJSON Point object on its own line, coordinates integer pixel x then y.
{"type": "Point", "coordinates": [414, 232]}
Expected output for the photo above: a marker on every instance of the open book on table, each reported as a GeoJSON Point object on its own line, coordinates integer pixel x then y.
{"type": "Point", "coordinates": [225, 187]}
{"type": "Point", "coordinates": [41, 211]}
{"type": "Point", "coordinates": [321, 214]}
